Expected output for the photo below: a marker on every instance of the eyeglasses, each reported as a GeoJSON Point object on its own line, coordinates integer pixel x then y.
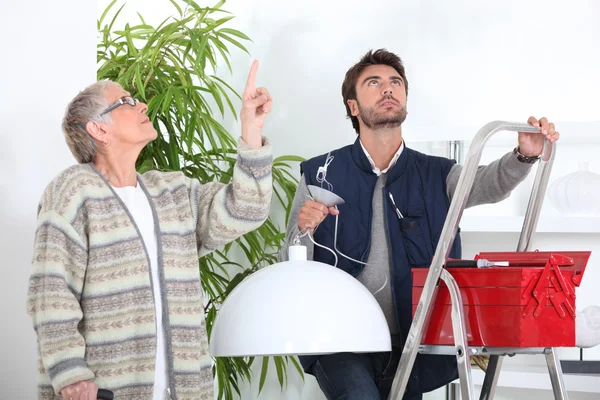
{"type": "Point", "coordinates": [123, 100]}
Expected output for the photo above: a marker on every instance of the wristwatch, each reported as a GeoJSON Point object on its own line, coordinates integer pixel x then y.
{"type": "Point", "coordinates": [525, 159]}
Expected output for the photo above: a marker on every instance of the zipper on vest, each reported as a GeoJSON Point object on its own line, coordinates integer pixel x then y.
{"type": "Point", "coordinates": [387, 193]}
{"type": "Point", "coordinates": [365, 254]}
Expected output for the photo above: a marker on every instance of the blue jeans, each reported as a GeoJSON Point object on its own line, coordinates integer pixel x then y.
{"type": "Point", "coordinates": [350, 376]}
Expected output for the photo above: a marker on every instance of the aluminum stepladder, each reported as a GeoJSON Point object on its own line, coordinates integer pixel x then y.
{"type": "Point", "coordinates": [436, 271]}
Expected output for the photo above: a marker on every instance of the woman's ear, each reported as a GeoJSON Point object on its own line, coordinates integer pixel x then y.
{"type": "Point", "coordinates": [96, 130]}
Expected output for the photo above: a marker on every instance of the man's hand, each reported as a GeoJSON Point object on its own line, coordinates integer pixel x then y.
{"type": "Point", "coordinates": [532, 144]}
{"type": "Point", "coordinates": [312, 214]}
{"type": "Point", "coordinates": [256, 104]}
{"type": "Point", "coordinates": [80, 391]}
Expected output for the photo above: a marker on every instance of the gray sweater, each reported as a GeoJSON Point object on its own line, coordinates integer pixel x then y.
{"type": "Point", "coordinates": [493, 183]}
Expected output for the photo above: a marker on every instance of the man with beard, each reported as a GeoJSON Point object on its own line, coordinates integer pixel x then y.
{"type": "Point", "coordinates": [396, 202]}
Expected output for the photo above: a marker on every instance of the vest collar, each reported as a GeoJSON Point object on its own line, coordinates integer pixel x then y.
{"type": "Point", "coordinates": [363, 163]}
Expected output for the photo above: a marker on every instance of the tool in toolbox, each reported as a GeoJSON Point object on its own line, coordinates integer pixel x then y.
{"type": "Point", "coordinates": [535, 292]}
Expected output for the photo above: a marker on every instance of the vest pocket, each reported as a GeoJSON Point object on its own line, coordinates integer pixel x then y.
{"type": "Point", "coordinates": [414, 239]}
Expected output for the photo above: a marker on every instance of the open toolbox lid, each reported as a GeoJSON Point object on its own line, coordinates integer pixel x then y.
{"type": "Point", "coordinates": [574, 261]}
{"type": "Point", "coordinates": [545, 279]}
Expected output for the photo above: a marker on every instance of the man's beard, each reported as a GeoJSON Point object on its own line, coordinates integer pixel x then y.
{"type": "Point", "coordinates": [377, 120]}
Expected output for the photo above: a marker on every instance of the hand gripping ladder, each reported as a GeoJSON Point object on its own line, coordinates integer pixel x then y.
{"type": "Point", "coordinates": [436, 271]}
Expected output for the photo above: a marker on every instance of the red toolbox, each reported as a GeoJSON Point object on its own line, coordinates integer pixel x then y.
{"type": "Point", "coordinates": [530, 303]}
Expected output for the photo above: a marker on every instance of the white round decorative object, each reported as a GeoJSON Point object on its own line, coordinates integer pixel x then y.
{"type": "Point", "coordinates": [577, 193]}
{"type": "Point", "coordinates": [587, 330]}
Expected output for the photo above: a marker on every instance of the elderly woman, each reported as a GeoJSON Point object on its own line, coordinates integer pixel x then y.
{"type": "Point", "coordinates": [114, 292]}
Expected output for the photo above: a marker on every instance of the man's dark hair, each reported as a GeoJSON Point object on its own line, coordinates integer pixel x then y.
{"type": "Point", "coordinates": [377, 57]}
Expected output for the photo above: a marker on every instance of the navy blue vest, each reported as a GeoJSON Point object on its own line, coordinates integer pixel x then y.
{"type": "Point", "coordinates": [418, 185]}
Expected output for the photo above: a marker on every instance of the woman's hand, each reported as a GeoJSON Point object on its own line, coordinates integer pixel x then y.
{"type": "Point", "coordinates": [256, 104]}
{"type": "Point", "coordinates": [80, 391]}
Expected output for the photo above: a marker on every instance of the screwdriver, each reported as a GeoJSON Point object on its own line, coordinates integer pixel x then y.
{"type": "Point", "coordinates": [481, 263]}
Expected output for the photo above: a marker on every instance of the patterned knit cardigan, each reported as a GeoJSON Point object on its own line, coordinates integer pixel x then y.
{"type": "Point", "coordinates": [90, 291]}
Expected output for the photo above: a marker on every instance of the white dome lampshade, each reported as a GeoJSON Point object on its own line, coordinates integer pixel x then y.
{"type": "Point", "coordinates": [299, 307]}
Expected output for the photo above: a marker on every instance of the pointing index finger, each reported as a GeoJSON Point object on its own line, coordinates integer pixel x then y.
{"type": "Point", "coordinates": [251, 82]}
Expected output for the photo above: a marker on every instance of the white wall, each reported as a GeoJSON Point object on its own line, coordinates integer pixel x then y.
{"type": "Point", "coordinates": [468, 62]}
{"type": "Point", "coordinates": [48, 56]}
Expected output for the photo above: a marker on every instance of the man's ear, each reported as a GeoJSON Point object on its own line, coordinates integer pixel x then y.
{"type": "Point", "coordinates": [96, 130]}
{"type": "Point", "coordinates": [353, 104]}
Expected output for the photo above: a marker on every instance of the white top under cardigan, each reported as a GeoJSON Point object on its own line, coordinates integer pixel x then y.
{"type": "Point", "coordinates": [137, 203]}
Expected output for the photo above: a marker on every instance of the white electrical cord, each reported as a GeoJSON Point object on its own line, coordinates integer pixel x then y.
{"type": "Point", "coordinates": [307, 233]}
{"type": "Point", "coordinates": [322, 173]}
{"type": "Point", "coordinates": [322, 179]}
{"type": "Point", "coordinates": [357, 261]}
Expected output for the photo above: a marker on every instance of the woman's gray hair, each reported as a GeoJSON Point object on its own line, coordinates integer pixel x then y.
{"type": "Point", "coordinates": [86, 106]}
